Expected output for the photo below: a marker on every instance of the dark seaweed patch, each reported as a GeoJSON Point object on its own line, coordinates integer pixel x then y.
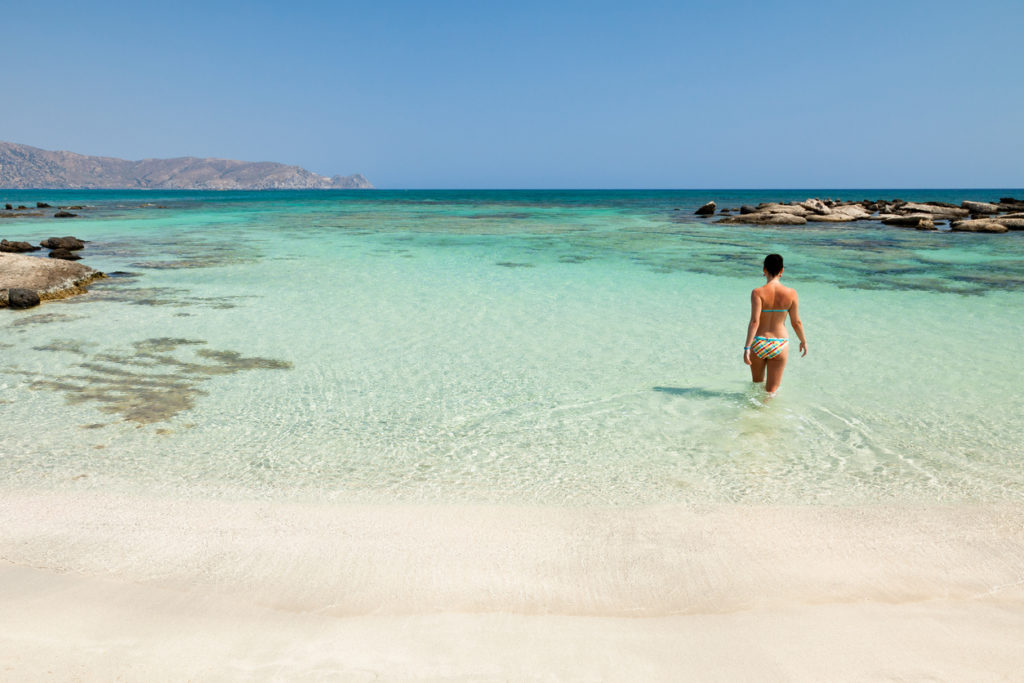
{"type": "Point", "coordinates": [173, 297]}
{"type": "Point", "coordinates": [44, 318]}
{"type": "Point", "coordinates": [147, 384]}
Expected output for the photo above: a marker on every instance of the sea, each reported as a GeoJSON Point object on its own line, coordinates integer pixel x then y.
{"type": "Point", "coordinates": [510, 347]}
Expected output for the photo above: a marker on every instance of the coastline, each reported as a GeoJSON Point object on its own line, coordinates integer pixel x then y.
{"type": "Point", "coordinates": [128, 586]}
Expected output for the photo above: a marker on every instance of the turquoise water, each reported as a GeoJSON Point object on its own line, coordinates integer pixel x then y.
{"type": "Point", "coordinates": [511, 347]}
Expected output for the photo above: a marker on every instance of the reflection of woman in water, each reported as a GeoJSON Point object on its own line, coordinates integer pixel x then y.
{"type": "Point", "coordinates": [767, 346]}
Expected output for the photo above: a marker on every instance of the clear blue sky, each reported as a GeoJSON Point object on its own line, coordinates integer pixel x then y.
{"type": "Point", "coordinates": [534, 94]}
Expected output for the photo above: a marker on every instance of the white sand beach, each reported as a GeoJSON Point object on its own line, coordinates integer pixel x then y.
{"type": "Point", "coordinates": [98, 587]}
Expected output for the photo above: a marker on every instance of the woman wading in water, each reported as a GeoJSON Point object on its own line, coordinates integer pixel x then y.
{"type": "Point", "coordinates": [767, 346]}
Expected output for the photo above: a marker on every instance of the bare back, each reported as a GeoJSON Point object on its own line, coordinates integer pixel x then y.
{"type": "Point", "coordinates": [770, 304]}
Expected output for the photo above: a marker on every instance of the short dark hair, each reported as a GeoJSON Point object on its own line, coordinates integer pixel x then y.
{"type": "Point", "coordinates": [773, 264]}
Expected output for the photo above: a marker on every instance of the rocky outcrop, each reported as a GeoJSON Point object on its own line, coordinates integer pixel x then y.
{"type": "Point", "coordinates": [978, 226]}
{"type": "Point", "coordinates": [706, 210]}
{"type": "Point", "coordinates": [64, 214]}
{"type": "Point", "coordinates": [25, 167]}
{"type": "Point", "coordinates": [48, 278]}
{"type": "Point", "coordinates": [1008, 214]}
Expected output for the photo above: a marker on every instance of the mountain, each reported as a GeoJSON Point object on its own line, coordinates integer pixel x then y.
{"type": "Point", "coordinates": [24, 167]}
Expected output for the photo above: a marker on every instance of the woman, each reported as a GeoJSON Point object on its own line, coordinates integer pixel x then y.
{"type": "Point", "coordinates": [767, 346]}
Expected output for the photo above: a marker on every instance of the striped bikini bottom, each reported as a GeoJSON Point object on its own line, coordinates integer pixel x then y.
{"type": "Point", "coordinates": [767, 348]}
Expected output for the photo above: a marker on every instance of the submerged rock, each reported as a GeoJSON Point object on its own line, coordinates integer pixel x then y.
{"type": "Point", "coordinates": [65, 254]}
{"type": "Point", "coordinates": [64, 214]}
{"type": "Point", "coordinates": [706, 210]}
{"type": "Point", "coordinates": [42, 205]}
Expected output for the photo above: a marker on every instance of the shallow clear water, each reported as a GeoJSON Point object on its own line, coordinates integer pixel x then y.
{"type": "Point", "coordinates": [516, 347]}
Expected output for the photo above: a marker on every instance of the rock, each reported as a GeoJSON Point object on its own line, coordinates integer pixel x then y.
{"type": "Point", "coordinates": [1011, 223]}
{"type": "Point", "coordinates": [16, 247]}
{"type": "Point", "coordinates": [1010, 200]}
{"type": "Point", "coordinates": [21, 206]}
{"type": "Point", "coordinates": [747, 208]}
{"type": "Point", "coordinates": [49, 278]}
{"type": "Point", "coordinates": [829, 218]}
{"type": "Point", "coordinates": [817, 206]}
{"type": "Point", "coordinates": [791, 209]}
{"type": "Point", "coordinates": [912, 208]}
{"type": "Point", "coordinates": [855, 211]}
{"type": "Point", "coordinates": [978, 226]}
{"type": "Point", "coordinates": [8, 207]}
{"type": "Point", "coordinates": [726, 210]}
{"type": "Point", "coordinates": [920, 222]}
{"type": "Point", "coordinates": [69, 243]}
{"type": "Point", "coordinates": [980, 207]}
{"type": "Point", "coordinates": [64, 214]}
{"type": "Point", "coordinates": [22, 298]}
{"type": "Point", "coordinates": [42, 205]}
{"type": "Point", "coordinates": [65, 254]}
{"type": "Point", "coordinates": [706, 210]}
{"type": "Point", "coordinates": [764, 218]}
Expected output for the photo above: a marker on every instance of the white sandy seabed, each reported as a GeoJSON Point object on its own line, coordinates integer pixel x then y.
{"type": "Point", "coordinates": [97, 587]}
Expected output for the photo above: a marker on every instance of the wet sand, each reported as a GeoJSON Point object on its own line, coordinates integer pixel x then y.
{"type": "Point", "coordinates": [97, 586]}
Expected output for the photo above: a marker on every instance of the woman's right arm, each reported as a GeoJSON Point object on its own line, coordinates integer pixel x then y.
{"type": "Point", "coordinates": [798, 326]}
{"type": "Point", "coordinates": [755, 317]}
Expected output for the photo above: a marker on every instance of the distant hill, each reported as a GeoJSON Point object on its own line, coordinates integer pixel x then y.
{"type": "Point", "coordinates": [24, 167]}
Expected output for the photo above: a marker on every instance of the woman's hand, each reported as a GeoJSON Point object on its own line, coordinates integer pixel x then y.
{"type": "Point", "coordinates": [803, 349]}
{"type": "Point", "coordinates": [746, 356]}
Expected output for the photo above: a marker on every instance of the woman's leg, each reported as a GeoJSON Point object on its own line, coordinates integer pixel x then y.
{"type": "Point", "coordinates": [756, 368]}
{"type": "Point", "coordinates": [775, 368]}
